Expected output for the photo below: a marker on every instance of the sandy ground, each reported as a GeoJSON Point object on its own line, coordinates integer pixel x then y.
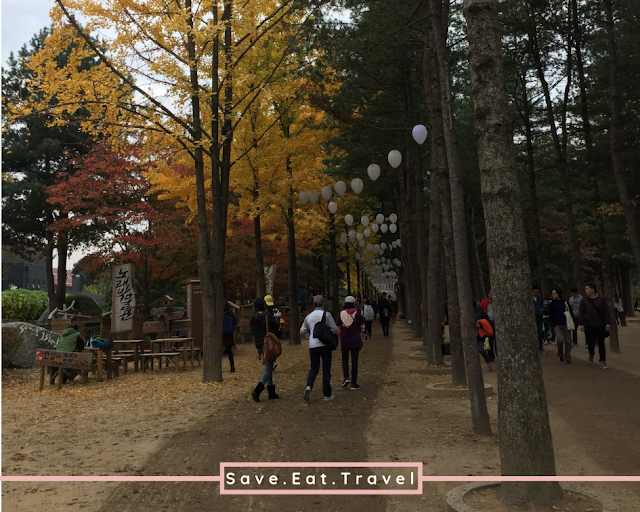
{"type": "Point", "coordinates": [170, 423]}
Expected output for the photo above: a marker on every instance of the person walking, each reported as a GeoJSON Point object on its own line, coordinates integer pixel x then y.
{"type": "Point", "coordinates": [350, 322]}
{"type": "Point", "coordinates": [539, 313]}
{"type": "Point", "coordinates": [484, 332]}
{"type": "Point", "coordinates": [260, 323]}
{"type": "Point", "coordinates": [228, 328]}
{"type": "Point", "coordinates": [558, 320]}
{"type": "Point", "coordinates": [384, 308]}
{"type": "Point", "coordinates": [318, 350]}
{"type": "Point", "coordinates": [369, 315]}
{"type": "Point", "coordinates": [487, 305]}
{"type": "Point", "coordinates": [621, 317]}
{"type": "Point", "coordinates": [574, 302]}
{"type": "Point", "coordinates": [595, 322]}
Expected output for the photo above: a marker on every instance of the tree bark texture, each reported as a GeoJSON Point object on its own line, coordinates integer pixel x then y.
{"type": "Point", "coordinates": [294, 294]}
{"type": "Point", "coordinates": [526, 447]}
{"type": "Point", "coordinates": [404, 227]}
{"type": "Point", "coordinates": [561, 162]}
{"type": "Point", "coordinates": [261, 285]}
{"type": "Point", "coordinates": [479, 412]}
{"type": "Point", "coordinates": [474, 256]}
{"type": "Point", "coordinates": [614, 137]}
{"type": "Point", "coordinates": [63, 248]}
{"type": "Point", "coordinates": [625, 290]}
{"type": "Point", "coordinates": [334, 268]}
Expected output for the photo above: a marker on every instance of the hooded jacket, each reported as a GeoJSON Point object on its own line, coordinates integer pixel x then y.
{"type": "Point", "coordinates": [349, 322]}
{"type": "Point", "coordinates": [70, 341]}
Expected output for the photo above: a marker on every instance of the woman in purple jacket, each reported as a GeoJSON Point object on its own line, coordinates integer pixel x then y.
{"type": "Point", "coordinates": [350, 322]}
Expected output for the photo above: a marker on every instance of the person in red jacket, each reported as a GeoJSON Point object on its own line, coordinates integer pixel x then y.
{"type": "Point", "coordinates": [595, 321]}
{"type": "Point", "coordinates": [487, 305]}
{"type": "Point", "coordinates": [484, 332]}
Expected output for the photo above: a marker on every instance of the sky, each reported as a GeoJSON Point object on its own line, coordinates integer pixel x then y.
{"type": "Point", "coordinates": [21, 19]}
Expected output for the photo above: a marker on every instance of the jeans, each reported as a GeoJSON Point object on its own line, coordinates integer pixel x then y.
{"type": "Point", "coordinates": [315, 354]}
{"type": "Point", "coordinates": [540, 333]}
{"type": "Point", "coordinates": [354, 363]}
{"type": "Point", "coordinates": [621, 317]}
{"type": "Point", "coordinates": [266, 378]}
{"type": "Point", "coordinates": [367, 327]}
{"type": "Point", "coordinates": [595, 335]}
{"type": "Point", "coordinates": [575, 334]}
{"type": "Point", "coordinates": [563, 335]}
{"type": "Point", "coordinates": [229, 351]}
{"type": "Point", "coordinates": [385, 326]}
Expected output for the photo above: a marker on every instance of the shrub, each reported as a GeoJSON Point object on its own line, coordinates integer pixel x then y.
{"type": "Point", "coordinates": [11, 341]}
{"type": "Point", "coordinates": [23, 305]}
{"type": "Point", "coordinates": [84, 305]}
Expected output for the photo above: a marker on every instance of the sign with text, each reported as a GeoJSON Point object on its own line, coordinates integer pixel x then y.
{"type": "Point", "coordinates": [74, 360]}
{"type": "Point", "coordinates": [124, 298]}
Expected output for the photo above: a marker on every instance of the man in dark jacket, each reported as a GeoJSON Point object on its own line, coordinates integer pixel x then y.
{"type": "Point", "coordinates": [70, 341]}
{"type": "Point", "coordinates": [595, 322]}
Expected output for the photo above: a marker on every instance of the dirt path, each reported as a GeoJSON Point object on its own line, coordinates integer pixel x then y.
{"type": "Point", "coordinates": [172, 424]}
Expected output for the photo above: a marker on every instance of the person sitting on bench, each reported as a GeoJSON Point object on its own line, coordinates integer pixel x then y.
{"type": "Point", "coordinates": [70, 341]}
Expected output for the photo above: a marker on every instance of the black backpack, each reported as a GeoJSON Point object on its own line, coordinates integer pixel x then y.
{"type": "Point", "coordinates": [322, 331]}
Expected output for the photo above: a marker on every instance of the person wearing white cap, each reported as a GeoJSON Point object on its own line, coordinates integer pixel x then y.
{"type": "Point", "coordinates": [350, 322]}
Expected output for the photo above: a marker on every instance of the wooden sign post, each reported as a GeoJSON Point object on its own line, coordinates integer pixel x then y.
{"type": "Point", "coordinates": [73, 360]}
{"type": "Point", "coordinates": [123, 298]}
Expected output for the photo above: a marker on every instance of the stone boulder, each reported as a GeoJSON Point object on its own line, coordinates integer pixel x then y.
{"type": "Point", "coordinates": [34, 337]}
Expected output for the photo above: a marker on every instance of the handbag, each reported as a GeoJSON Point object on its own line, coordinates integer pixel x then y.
{"type": "Point", "coordinates": [272, 348]}
{"type": "Point", "coordinates": [567, 314]}
{"type": "Point", "coordinates": [322, 332]}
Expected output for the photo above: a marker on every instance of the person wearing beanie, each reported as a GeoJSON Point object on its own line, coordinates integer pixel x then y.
{"type": "Point", "coordinates": [318, 350]}
{"type": "Point", "coordinates": [350, 322]}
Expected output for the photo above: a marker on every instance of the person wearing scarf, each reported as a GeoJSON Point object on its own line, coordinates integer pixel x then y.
{"type": "Point", "coordinates": [350, 322]}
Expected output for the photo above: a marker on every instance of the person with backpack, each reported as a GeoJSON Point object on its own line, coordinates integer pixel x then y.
{"type": "Point", "coordinates": [557, 310]}
{"type": "Point", "coordinates": [485, 331]}
{"type": "Point", "coordinates": [350, 322]}
{"type": "Point", "coordinates": [228, 328]}
{"type": "Point", "coordinates": [369, 315]}
{"type": "Point", "coordinates": [317, 349]}
{"type": "Point", "coordinates": [384, 308]}
{"type": "Point", "coordinates": [262, 323]}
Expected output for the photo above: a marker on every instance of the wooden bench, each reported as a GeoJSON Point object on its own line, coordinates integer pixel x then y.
{"type": "Point", "coordinates": [148, 357]}
{"type": "Point", "coordinates": [60, 360]}
{"type": "Point", "coordinates": [197, 353]}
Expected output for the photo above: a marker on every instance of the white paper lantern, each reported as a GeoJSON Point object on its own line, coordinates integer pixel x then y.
{"type": "Point", "coordinates": [394, 244]}
{"type": "Point", "coordinates": [375, 228]}
{"type": "Point", "coordinates": [313, 196]}
{"type": "Point", "coordinates": [395, 158]}
{"type": "Point", "coordinates": [374, 172]}
{"type": "Point", "coordinates": [383, 260]}
{"type": "Point", "coordinates": [348, 218]}
{"type": "Point", "coordinates": [341, 188]}
{"type": "Point", "coordinates": [333, 207]}
{"type": "Point", "coordinates": [360, 237]}
{"type": "Point", "coordinates": [380, 218]}
{"type": "Point", "coordinates": [378, 262]}
{"type": "Point", "coordinates": [343, 238]}
{"type": "Point", "coordinates": [367, 232]}
{"type": "Point", "coordinates": [380, 252]}
{"type": "Point", "coordinates": [393, 218]}
{"type": "Point", "coordinates": [399, 263]}
{"type": "Point", "coordinates": [357, 185]}
{"type": "Point", "coordinates": [357, 255]}
{"type": "Point", "coordinates": [393, 228]}
{"type": "Point", "coordinates": [304, 197]}
{"type": "Point", "coordinates": [369, 247]}
{"type": "Point", "coordinates": [419, 133]}
{"type": "Point", "coordinates": [364, 221]}
{"type": "Point", "coordinates": [399, 243]}
{"type": "Point", "coordinates": [352, 235]}
{"type": "Point", "coordinates": [384, 228]}
{"type": "Point", "coordinates": [376, 247]}
{"type": "Point", "coordinates": [383, 246]}
{"type": "Point", "coordinates": [361, 260]}
{"type": "Point", "coordinates": [361, 243]}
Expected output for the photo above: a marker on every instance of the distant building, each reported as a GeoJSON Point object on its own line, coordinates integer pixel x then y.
{"type": "Point", "coordinates": [32, 275]}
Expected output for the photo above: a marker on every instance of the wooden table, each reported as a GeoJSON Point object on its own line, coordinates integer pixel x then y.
{"type": "Point", "coordinates": [137, 349]}
{"type": "Point", "coordinates": [178, 341]}
{"type": "Point", "coordinates": [100, 355]}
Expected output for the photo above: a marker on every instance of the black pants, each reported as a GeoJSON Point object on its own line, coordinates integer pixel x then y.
{"type": "Point", "coordinates": [315, 354]}
{"type": "Point", "coordinates": [367, 327]}
{"type": "Point", "coordinates": [229, 351]}
{"type": "Point", "coordinates": [595, 335]}
{"type": "Point", "coordinates": [622, 318]}
{"type": "Point", "coordinates": [385, 326]}
{"type": "Point", "coordinates": [354, 363]}
{"type": "Point", "coordinates": [483, 351]}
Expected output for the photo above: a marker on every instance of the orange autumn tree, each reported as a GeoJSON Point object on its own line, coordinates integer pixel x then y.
{"type": "Point", "coordinates": [177, 74]}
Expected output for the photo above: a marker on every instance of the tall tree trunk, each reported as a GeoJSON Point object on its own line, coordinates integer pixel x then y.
{"type": "Point", "coordinates": [614, 137]}
{"type": "Point", "coordinates": [560, 155]}
{"type": "Point", "coordinates": [434, 278]}
{"type": "Point", "coordinates": [474, 257]}
{"type": "Point", "coordinates": [63, 249]}
{"type": "Point", "coordinates": [349, 275]}
{"type": "Point", "coordinates": [531, 172]}
{"type": "Point", "coordinates": [458, 373]}
{"type": "Point", "coordinates": [294, 338]}
{"type": "Point", "coordinates": [526, 447]}
{"type": "Point", "coordinates": [479, 412]}
{"type": "Point", "coordinates": [334, 266]}
{"type": "Point", "coordinates": [261, 284]}
{"type": "Point", "coordinates": [625, 290]}
{"type": "Point", "coordinates": [48, 258]}
{"type": "Point", "coordinates": [405, 238]}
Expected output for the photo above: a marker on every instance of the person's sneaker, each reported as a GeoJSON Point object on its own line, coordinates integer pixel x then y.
{"type": "Point", "coordinates": [561, 359]}
{"type": "Point", "coordinates": [346, 383]}
{"type": "Point", "coordinates": [603, 365]}
{"type": "Point", "coordinates": [307, 393]}
{"type": "Point", "coordinates": [328, 398]}
{"type": "Point", "coordinates": [355, 387]}
{"type": "Point", "coordinates": [590, 359]}
{"type": "Point", "coordinates": [490, 366]}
